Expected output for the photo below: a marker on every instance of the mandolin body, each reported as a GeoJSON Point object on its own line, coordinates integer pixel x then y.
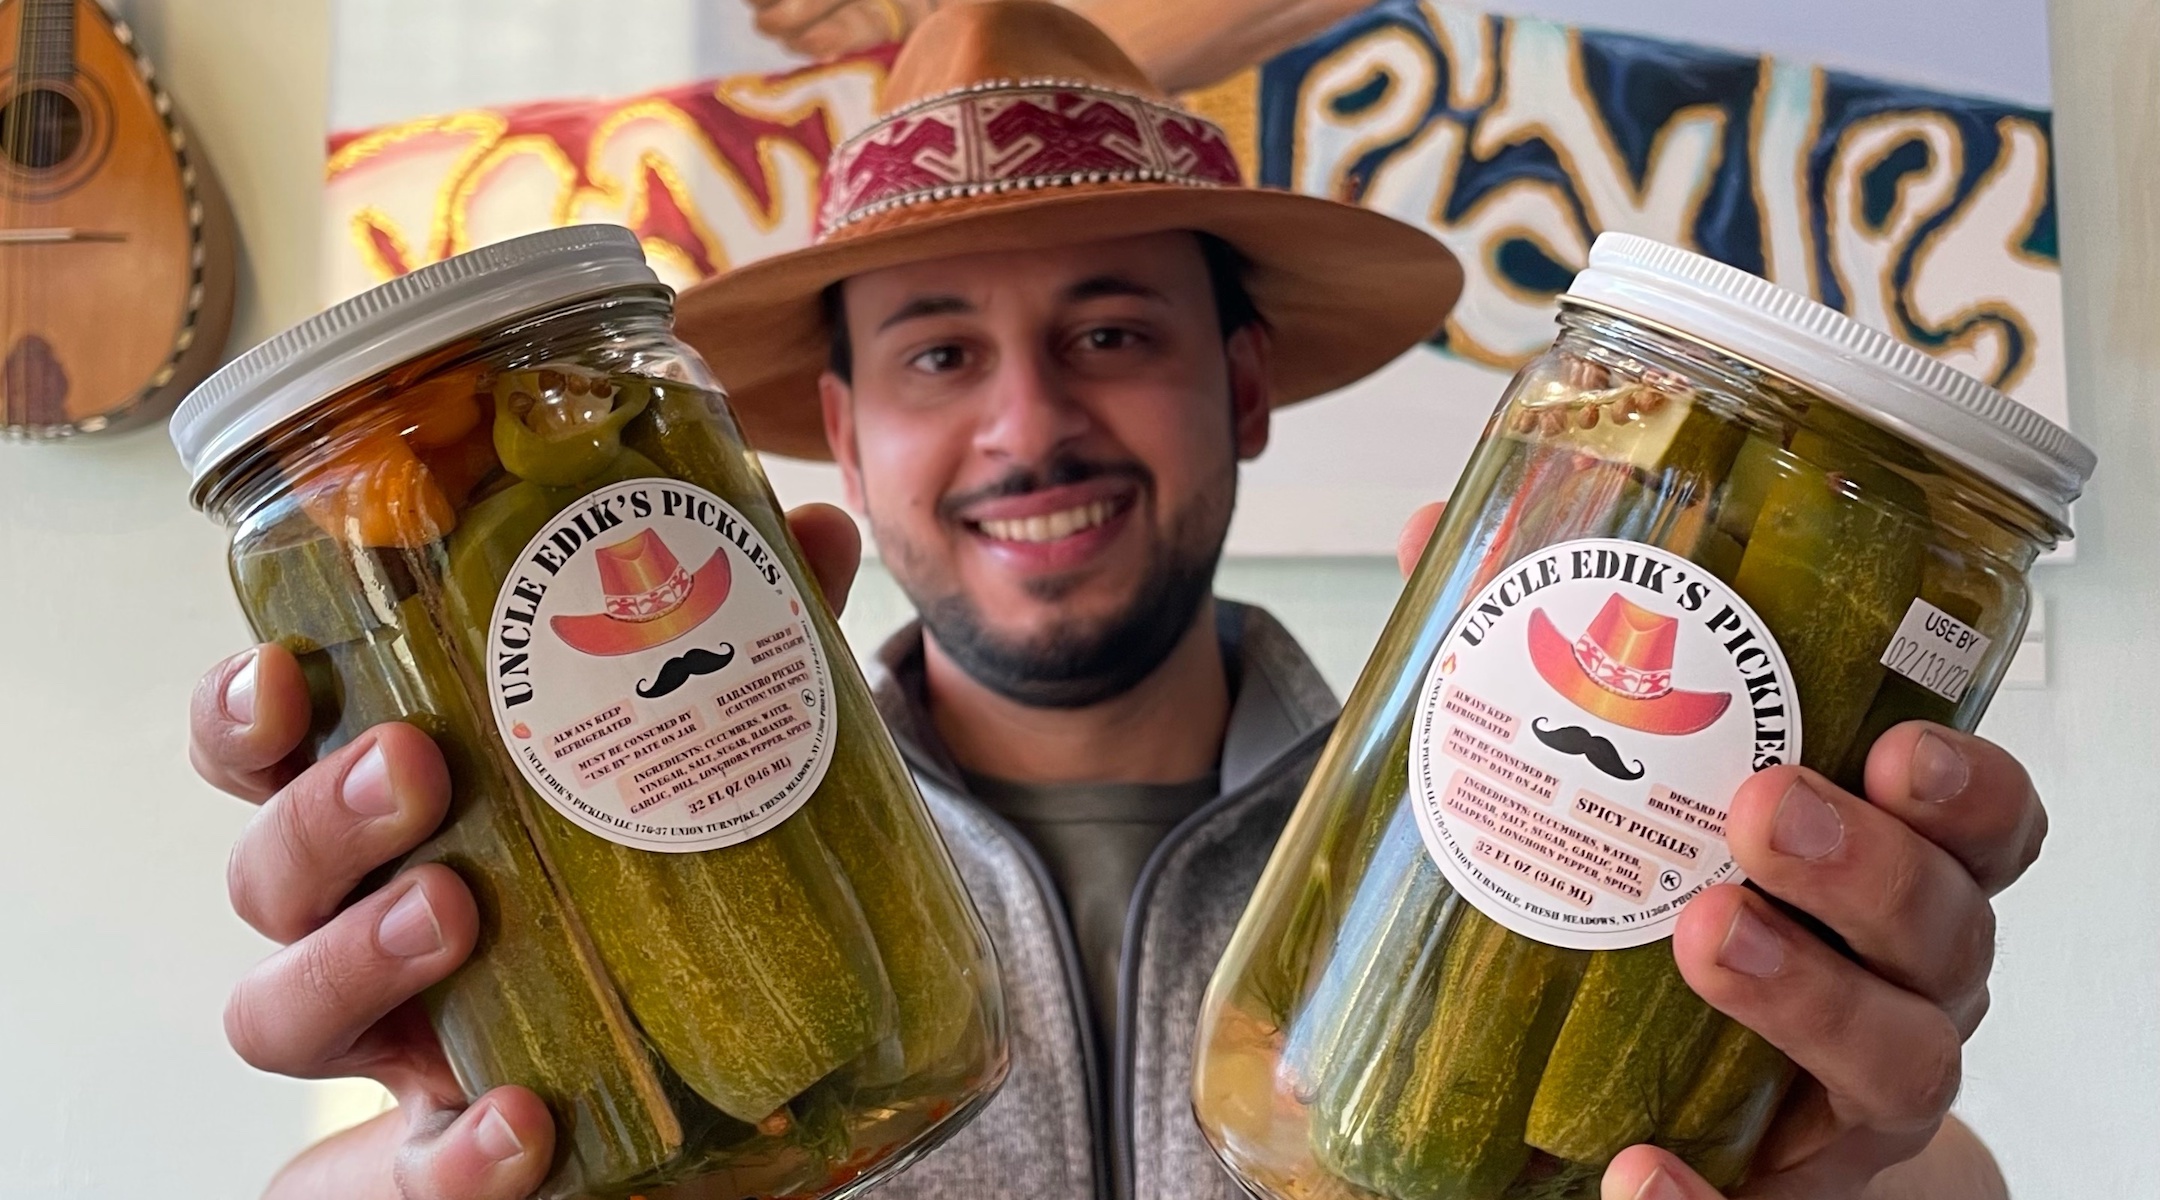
{"type": "Point", "coordinates": [116, 255]}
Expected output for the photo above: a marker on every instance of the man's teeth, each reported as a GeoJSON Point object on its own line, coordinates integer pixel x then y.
{"type": "Point", "coordinates": [1049, 527]}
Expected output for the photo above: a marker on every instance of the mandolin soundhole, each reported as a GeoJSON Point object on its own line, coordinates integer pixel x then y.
{"type": "Point", "coordinates": [33, 383]}
{"type": "Point", "coordinates": [41, 128]}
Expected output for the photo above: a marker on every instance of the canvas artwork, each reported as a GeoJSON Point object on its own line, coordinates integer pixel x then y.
{"type": "Point", "coordinates": [1917, 198]}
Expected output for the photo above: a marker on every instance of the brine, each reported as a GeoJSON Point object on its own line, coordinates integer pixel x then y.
{"type": "Point", "coordinates": [796, 1001]}
{"type": "Point", "coordinates": [1371, 1032]}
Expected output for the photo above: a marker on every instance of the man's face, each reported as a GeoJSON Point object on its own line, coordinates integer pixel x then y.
{"type": "Point", "coordinates": [1046, 444]}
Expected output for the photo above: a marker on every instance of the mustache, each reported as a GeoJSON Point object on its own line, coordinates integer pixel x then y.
{"type": "Point", "coordinates": [1574, 739]}
{"type": "Point", "coordinates": [1061, 471]}
{"type": "Point", "coordinates": [684, 667]}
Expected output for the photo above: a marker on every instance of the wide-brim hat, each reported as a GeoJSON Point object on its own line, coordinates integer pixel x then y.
{"type": "Point", "coordinates": [1657, 707]}
{"type": "Point", "coordinates": [606, 634]}
{"type": "Point", "coordinates": [1016, 124]}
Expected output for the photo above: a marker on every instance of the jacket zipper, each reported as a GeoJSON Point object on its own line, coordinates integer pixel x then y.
{"type": "Point", "coordinates": [1098, 1117]}
{"type": "Point", "coordinates": [1136, 914]}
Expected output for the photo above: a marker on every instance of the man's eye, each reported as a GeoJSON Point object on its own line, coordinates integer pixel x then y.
{"type": "Point", "coordinates": [1109, 337]}
{"type": "Point", "coordinates": [938, 359]}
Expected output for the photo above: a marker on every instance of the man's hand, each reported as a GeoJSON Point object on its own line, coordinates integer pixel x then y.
{"type": "Point", "coordinates": [1904, 876]}
{"type": "Point", "coordinates": [339, 998]}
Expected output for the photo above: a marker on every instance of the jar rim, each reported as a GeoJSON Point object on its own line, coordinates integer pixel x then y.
{"type": "Point", "coordinates": [1853, 365]}
{"type": "Point", "coordinates": [311, 363]}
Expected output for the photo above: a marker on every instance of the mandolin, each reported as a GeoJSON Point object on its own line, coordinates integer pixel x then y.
{"type": "Point", "coordinates": [116, 252]}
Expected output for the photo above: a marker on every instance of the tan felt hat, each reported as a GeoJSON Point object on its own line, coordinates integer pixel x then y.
{"type": "Point", "coordinates": [1016, 124]}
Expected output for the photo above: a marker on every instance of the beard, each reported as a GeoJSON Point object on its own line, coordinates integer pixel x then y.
{"type": "Point", "coordinates": [1078, 662]}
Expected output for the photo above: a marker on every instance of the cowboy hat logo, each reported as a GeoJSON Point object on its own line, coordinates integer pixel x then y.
{"type": "Point", "coordinates": [651, 598]}
{"type": "Point", "coordinates": [1620, 670]}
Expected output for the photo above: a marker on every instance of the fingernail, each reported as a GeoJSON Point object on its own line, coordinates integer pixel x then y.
{"type": "Point", "coordinates": [239, 699]}
{"type": "Point", "coordinates": [1660, 1186]}
{"type": "Point", "coordinates": [1750, 947]}
{"type": "Point", "coordinates": [1806, 826]}
{"type": "Point", "coordinates": [409, 930]}
{"type": "Point", "coordinates": [1938, 770]}
{"type": "Point", "coordinates": [495, 1138]}
{"type": "Point", "coordinates": [366, 790]}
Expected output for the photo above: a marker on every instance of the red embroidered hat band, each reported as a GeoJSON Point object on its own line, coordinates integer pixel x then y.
{"type": "Point", "coordinates": [1004, 136]}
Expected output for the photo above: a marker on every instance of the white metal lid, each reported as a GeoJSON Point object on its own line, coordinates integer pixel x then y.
{"type": "Point", "coordinates": [1901, 388]}
{"type": "Point", "coordinates": [384, 326]}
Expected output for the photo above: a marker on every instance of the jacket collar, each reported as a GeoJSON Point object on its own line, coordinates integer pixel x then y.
{"type": "Point", "coordinates": [1278, 697]}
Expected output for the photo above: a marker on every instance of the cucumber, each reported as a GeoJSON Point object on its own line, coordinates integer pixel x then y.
{"type": "Point", "coordinates": [1437, 1112]}
{"type": "Point", "coordinates": [1634, 1038]}
{"type": "Point", "coordinates": [1831, 575]}
{"type": "Point", "coordinates": [933, 949]}
{"type": "Point", "coordinates": [1721, 1119]}
{"type": "Point", "coordinates": [751, 967]}
{"type": "Point", "coordinates": [1399, 900]}
{"type": "Point", "coordinates": [530, 1007]}
{"type": "Point", "coordinates": [1959, 582]}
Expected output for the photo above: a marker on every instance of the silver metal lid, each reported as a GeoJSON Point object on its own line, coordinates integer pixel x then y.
{"type": "Point", "coordinates": [384, 326]}
{"type": "Point", "coordinates": [1892, 384]}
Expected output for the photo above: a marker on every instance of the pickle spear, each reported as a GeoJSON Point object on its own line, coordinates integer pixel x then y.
{"type": "Point", "coordinates": [1722, 1118]}
{"type": "Point", "coordinates": [750, 967]}
{"type": "Point", "coordinates": [529, 1007]}
{"type": "Point", "coordinates": [1831, 566]}
{"type": "Point", "coordinates": [1960, 582]}
{"type": "Point", "coordinates": [1634, 1038]}
{"type": "Point", "coordinates": [1438, 1113]}
{"type": "Point", "coordinates": [1399, 899]}
{"type": "Point", "coordinates": [898, 870]}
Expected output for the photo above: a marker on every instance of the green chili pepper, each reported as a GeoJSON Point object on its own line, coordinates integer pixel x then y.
{"type": "Point", "coordinates": [551, 432]}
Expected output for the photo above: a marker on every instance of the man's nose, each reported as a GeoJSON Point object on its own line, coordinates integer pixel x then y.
{"type": "Point", "coordinates": [1028, 412]}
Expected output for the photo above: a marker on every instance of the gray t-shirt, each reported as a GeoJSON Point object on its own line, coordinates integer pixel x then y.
{"type": "Point", "coordinates": [1095, 838]}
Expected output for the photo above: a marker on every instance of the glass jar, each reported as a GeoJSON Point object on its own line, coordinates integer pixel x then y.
{"type": "Point", "coordinates": [1715, 528]}
{"type": "Point", "coordinates": [719, 935]}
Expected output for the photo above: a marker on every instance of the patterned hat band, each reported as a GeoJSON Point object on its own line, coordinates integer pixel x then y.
{"type": "Point", "coordinates": [654, 604]}
{"type": "Point", "coordinates": [1618, 677]}
{"type": "Point", "coordinates": [1008, 136]}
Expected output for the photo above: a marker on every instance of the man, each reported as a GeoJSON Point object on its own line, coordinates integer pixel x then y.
{"type": "Point", "coordinates": [1038, 384]}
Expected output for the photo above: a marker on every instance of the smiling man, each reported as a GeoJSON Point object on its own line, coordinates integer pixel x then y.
{"type": "Point", "coordinates": [1039, 372]}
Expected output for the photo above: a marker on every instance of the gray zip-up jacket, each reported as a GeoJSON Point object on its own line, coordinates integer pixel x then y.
{"type": "Point", "coordinates": [1047, 1133]}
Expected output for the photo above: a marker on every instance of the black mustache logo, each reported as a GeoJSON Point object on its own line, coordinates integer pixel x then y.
{"type": "Point", "coordinates": [683, 668]}
{"type": "Point", "coordinates": [1574, 739]}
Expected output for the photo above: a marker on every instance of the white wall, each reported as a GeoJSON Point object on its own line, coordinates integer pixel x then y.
{"type": "Point", "coordinates": [116, 943]}
{"type": "Point", "coordinates": [118, 948]}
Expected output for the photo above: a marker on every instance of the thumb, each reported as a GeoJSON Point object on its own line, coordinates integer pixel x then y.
{"type": "Point", "coordinates": [1648, 1173]}
{"type": "Point", "coordinates": [832, 547]}
{"type": "Point", "coordinates": [1417, 531]}
{"type": "Point", "coordinates": [498, 1149]}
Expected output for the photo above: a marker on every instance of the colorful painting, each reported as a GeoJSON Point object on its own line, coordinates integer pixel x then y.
{"type": "Point", "coordinates": [1516, 141]}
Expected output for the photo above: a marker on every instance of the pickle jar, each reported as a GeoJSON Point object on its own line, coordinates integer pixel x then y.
{"type": "Point", "coordinates": [1716, 527]}
{"type": "Point", "coordinates": [719, 935]}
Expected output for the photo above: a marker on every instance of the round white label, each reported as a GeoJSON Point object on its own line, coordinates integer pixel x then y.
{"type": "Point", "coordinates": [654, 673]}
{"type": "Point", "coordinates": [1581, 733]}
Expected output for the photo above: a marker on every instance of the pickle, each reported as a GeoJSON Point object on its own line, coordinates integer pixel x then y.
{"type": "Point", "coordinates": [1722, 1118]}
{"type": "Point", "coordinates": [1831, 574]}
{"type": "Point", "coordinates": [1672, 508]}
{"type": "Point", "coordinates": [1399, 898]}
{"type": "Point", "coordinates": [751, 967]}
{"type": "Point", "coordinates": [924, 935]}
{"type": "Point", "coordinates": [529, 1007]}
{"type": "Point", "coordinates": [1634, 1038]}
{"type": "Point", "coordinates": [1959, 584]}
{"type": "Point", "coordinates": [1438, 1112]}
